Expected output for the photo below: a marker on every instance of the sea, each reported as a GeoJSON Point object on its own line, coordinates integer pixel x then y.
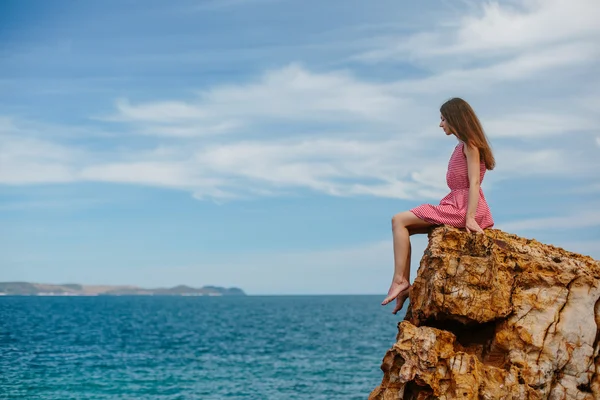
{"type": "Point", "coordinates": [162, 347]}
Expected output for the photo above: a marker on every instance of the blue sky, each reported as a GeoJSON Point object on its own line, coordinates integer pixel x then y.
{"type": "Point", "coordinates": [266, 144]}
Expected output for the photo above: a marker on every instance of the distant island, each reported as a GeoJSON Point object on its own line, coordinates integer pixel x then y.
{"type": "Point", "coordinates": [72, 289]}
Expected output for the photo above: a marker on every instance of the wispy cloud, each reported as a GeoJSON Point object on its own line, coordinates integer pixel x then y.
{"type": "Point", "coordinates": [290, 94]}
{"type": "Point", "coordinates": [493, 29]}
{"type": "Point", "coordinates": [335, 131]}
{"type": "Point", "coordinates": [493, 44]}
{"type": "Point", "coordinates": [527, 24]}
{"type": "Point", "coordinates": [520, 68]}
{"type": "Point", "coordinates": [381, 167]}
{"type": "Point", "coordinates": [28, 161]}
{"type": "Point", "coordinates": [537, 125]}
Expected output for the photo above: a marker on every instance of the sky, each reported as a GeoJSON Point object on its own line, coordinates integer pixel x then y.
{"type": "Point", "coordinates": [266, 144]}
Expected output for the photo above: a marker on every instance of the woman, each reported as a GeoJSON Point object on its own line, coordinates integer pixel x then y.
{"type": "Point", "coordinates": [464, 207]}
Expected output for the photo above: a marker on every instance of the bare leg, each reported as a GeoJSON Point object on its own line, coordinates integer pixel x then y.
{"type": "Point", "coordinates": [403, 295]}
{"type": "Point", "coordinates": [400, 283]}
{"type": "Point", "coordinates": [400, 229]}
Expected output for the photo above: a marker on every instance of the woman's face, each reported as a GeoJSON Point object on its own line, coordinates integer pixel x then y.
{"type": "Point", "coordinates": [444, 125]}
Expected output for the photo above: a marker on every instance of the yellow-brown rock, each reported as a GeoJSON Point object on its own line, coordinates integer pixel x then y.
{"type": "Point", "coordinates": [497, 316]}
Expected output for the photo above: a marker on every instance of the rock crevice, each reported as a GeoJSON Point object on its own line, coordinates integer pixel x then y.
{"type": "Point", "coordinates": [497, 316]}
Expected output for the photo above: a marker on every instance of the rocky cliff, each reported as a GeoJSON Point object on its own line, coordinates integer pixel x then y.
{"type": "Point", "coordinates": [497, 316]}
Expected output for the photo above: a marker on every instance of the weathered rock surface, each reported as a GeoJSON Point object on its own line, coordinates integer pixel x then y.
{"type": "Point", "coordinates": [497, 316]}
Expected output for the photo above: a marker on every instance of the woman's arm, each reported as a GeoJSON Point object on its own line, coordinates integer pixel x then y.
{"type": "Point", "coordinates": [473, 165]}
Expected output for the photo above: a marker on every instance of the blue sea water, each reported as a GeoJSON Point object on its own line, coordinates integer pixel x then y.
{"type": "Point", "coordinates": [280, 347]}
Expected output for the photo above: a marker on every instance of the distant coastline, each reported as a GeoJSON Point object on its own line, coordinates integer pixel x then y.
{"type": "Point", "coordinates": [73, 289]}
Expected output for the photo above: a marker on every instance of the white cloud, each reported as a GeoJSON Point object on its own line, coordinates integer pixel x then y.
{"type": "Point", "coordinates": [28, 160]}
{"type": "Point", "coordinates": [550, 162]}
{"type": "Point", "coordinates": [494, 44]}
{"type": "Point", "coordinates": [332, 166]}
{"type": "Point", "coordinates": [158, 112]}
{"type": "Point", "coordinates": [532, 23]}
{"type": "Point", "coordinates": [339, 167]}
{"type": "Point", "coordinates": [497, 73]}
{"type": "Point", "coordinates": [336, 133]}
{"type": "Point", "coordinates": [291, 93]}
{"type": "Point", "coordinates": [168, 174]}
{"type": "Point", "coordinates": [536, 124]}
{"type": "Point", "coordinates": [492, 29]}
{"type": "Point", "coordinates": [384, 158]}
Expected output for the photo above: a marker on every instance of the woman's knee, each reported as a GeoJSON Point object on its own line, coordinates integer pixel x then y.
{"type": "Point", "coordinates": [399, 220]}
{"type": "Point", "coordinates": [410, 221]}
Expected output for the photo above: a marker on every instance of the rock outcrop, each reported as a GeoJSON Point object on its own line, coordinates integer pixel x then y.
{"type": "Point", "coordinates": [497, 316]}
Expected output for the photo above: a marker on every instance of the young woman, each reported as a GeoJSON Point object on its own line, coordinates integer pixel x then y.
{"type": "Point", "coordinates": [463, 207]}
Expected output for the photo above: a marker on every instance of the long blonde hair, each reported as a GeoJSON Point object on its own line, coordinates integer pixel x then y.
{"type": "Point", "coordinates": [464, 123]}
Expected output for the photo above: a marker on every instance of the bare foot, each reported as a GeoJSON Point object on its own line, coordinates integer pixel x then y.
{"type": "Point", "coordinates": [395, 289]}
{"type": "Point", "coordinates": [401, 299]}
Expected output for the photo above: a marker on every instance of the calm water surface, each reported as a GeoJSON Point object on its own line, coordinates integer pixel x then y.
{"type": "Point", "coordinates": [305, 347]}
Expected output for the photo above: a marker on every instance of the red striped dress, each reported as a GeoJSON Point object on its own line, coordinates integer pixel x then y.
{"type": "Point", "coordinates": [452, 209]}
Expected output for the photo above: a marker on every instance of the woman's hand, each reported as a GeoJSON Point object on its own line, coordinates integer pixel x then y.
{"type": "Point", "coordinates": [472, 225]}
